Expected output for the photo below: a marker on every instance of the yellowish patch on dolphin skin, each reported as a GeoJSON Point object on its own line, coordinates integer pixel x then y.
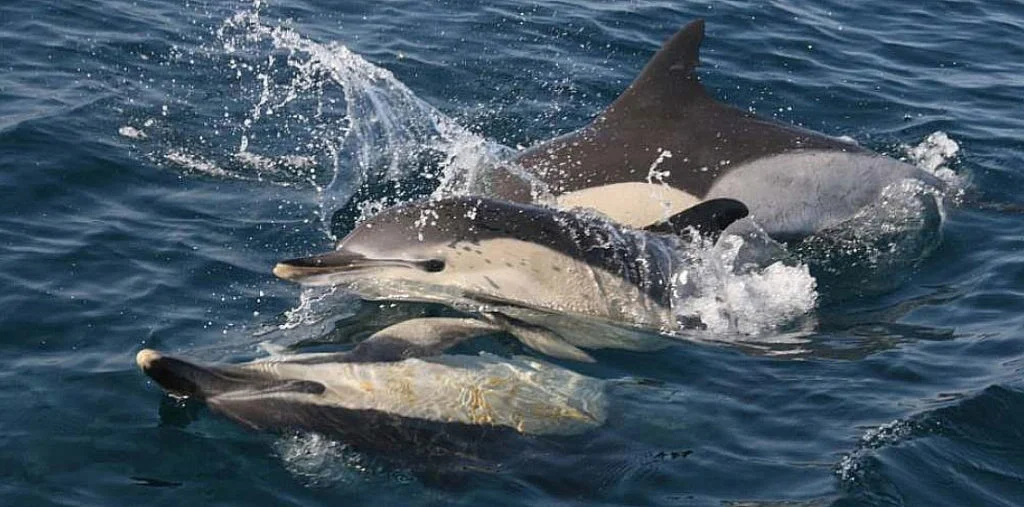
{"type": "Point", "coordinates": [635, 204]}
{"type": "Point", "coordinates": [287, 272]}
{"type": "Point", "coordinates": [146, 357]}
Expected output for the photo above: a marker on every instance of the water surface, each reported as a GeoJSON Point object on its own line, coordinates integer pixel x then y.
{"type": "Point", "coordinates": [159, 157]}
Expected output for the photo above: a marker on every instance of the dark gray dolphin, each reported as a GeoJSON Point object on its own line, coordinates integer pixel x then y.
{"type": "Point", "coordinates": [517, 265]}
{"type": "Point", "coordinates": [666, 144]}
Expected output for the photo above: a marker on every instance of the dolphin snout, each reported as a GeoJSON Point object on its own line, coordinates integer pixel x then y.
{"type": "Point", "coordinates": [146, 358]}
{"type": "Point", "coordinates": [301, 269]}
{"type": "Point", "coordinates": [186, 378]}
{"type": "Point", "coordinates": [315, 270]}
{"type": "Point", "coordinates": [172, 374]}
{"type": "Point", "coordinates": [286, 271]}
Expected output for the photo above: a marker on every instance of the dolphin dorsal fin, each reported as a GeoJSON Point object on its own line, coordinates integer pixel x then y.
{"type": "Point", "coordinates": [669, 78]}
{"type": "Point", "coordinates": [709, 218]}
{"type": "Point", "coordinates": [540, 339]}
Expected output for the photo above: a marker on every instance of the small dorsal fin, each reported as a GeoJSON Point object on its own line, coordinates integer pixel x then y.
{"type": "Point", "coordinates": [709, 218]}
{"type": "Point", "coordinates": [540, 339]}
{"type": "Point", "coordinates": [421, 337]}
{"type": "Point", "coordinates": [669, 78]}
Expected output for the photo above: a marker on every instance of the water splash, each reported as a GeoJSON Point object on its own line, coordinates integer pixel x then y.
{"type": "Point", "coordinates": [351, 130]}
{"type": "Point", "coordinates": [854, 466]}
{"type": "Point", "coordinates": [319, 461]}
{"type": "Point", "coordinates": [933, 154]}
{"type": "Point", "coordinates": [878, 248]}
{"type": "Point", "coordinates": [738, 297]}
{"type": "Point", "coordinates": [384, 138]}
{"type": "Point", "coordinates": [315, 304]}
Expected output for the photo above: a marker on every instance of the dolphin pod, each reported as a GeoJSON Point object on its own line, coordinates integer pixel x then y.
{"type": "Point", "coordinates": [544, 274]}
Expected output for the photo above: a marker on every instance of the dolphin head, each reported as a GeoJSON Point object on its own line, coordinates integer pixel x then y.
{"type": "Point", "coordinates": [409, 242]}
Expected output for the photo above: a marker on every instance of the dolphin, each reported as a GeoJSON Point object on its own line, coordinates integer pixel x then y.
{"type": "Point", "coordinates": [543, 275]}
{"type": "Point", "coordinates": [666, 144]}
{"type": "Point", "coordinates": [393, 393]}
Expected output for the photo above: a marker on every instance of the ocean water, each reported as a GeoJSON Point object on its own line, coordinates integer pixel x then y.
{"type": "Point", "coordinates": [157, 158]}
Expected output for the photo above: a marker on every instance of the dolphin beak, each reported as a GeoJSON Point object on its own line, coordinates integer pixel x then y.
{"type": "Point", "coordinates": [182, 377]}
{"type": "Point", "coordinates": [188, 379]}
{"type": "Point", "coordinates": [311, 270]}
{"type": "Point", "coordinates": [303, 268]}
{"type": "Point", "coordinates": [174, 375]}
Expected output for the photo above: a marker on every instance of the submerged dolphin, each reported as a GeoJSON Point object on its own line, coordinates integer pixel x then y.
{"type": "Point", "coordinates": [520, 267]}
{"type": "Point", "coordinates": [667, 143]}
{"type": "Point", "coordinates": [391, 393]}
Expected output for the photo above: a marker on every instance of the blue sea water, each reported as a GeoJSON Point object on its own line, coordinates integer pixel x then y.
{"type": "Point", "coordinates": [157, 158]}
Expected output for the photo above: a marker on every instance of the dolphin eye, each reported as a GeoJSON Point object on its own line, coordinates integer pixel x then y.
{"type": "Point", "coordinates": [433, 265]}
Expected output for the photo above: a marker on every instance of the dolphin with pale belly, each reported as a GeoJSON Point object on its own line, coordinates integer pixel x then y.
{"type": "Point", "coordinates": [666, 144]}
{"type": "Point", "coordinates": [393, 393]}
{"type": "Point", "coordinates": [541, 274]}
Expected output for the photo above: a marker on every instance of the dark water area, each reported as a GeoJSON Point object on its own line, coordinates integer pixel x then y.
{"type": "Point", "coordinates": [158, 158]}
